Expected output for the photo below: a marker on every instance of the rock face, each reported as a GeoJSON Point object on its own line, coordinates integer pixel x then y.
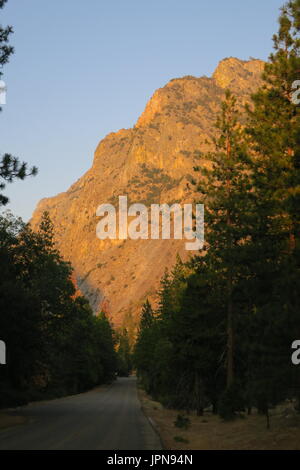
{"type": "Point", "coordinates": [151, 163]}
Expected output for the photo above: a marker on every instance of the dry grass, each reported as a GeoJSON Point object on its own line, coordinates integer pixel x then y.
{"type": "Point", "coordinates": [7, 420]}
{"type": "Point", "coordinates": [209, 432]}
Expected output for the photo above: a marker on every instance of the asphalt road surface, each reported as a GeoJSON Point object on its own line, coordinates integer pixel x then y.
{"type": "Point", "coordinates": [105, 418]}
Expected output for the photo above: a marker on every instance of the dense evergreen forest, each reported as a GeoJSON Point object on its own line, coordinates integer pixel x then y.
{"type": "Point", "coordinates": [56, 345]}
{"type": "Point", "coordinates": [223, 331]}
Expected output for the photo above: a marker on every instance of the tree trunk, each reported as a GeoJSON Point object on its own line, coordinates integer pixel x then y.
{"type": "Point", "coordinates": [230, 346]}
{"type": "Point", "coordinates": [198, 393]}
{"type": "Point", "coordinates": [230, 341]}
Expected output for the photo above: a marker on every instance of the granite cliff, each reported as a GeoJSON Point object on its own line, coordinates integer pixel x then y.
{"type": "Point", "coordinates": [150, 163]}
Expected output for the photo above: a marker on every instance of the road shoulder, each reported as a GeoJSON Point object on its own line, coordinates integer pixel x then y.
{"type": "Point", "coordinates": [209, 432]}
{"type": "Point", "coordinates": [9, 419]}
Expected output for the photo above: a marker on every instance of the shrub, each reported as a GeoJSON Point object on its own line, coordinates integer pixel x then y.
{"type": "Point", "coordinates": [182, 422]}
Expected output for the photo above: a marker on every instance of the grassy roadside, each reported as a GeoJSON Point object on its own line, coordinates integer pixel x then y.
{"type": "Point", "coordinates": [209, 432]}
{"type": "Point", "coordinates": [8, 419]}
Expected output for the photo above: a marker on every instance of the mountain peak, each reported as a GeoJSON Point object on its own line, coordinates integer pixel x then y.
{"type": "Point", "coordinates": [232, 72]}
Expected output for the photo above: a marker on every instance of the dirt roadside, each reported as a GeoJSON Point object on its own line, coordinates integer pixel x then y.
{"type": "Point", "coordinates": [209, 432]}
{"type": "Point", "coordinates": [10, 418]}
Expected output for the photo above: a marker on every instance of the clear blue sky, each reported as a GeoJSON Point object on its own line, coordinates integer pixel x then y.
{"type": "Point", "coordinates": [82, 69]}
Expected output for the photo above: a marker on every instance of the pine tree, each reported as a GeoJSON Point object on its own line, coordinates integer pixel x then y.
{"type": "Point", "coordinates": [273, 130]}
{"type": "Point", "coordinates": [164, 296]}
{"type": "Point", "coordinates": [10, 167]}
{"type": "Point", "coordinates": [5, 49]}
{"type": "Point", "coordinates": [146, 316]}
{"type": "Point", "coordinates": [225, 187]}
{"type": "Point", "coordinates": [274, 123]}
{"type": "Point", "coordinates": [124, 359]}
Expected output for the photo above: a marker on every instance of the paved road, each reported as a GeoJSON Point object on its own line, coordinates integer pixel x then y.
{"type": "Point", "coordinates": [105, 418]}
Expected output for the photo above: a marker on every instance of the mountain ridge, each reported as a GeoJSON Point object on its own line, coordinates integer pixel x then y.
{"type": "Point", "coordinates": [150, 163]}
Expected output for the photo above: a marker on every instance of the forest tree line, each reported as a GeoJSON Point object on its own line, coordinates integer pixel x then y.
{"type": "Point", "coordinates": [222, 333]}
{"type": "Point", "coordinates": [55, 343]}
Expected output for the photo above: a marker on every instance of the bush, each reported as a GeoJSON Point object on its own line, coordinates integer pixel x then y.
{"type": "Point", "coordinates": [182, 422]}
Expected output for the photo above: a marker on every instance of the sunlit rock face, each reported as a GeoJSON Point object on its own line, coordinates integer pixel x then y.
{"type": "Point", "coordinates": [151, 163]}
